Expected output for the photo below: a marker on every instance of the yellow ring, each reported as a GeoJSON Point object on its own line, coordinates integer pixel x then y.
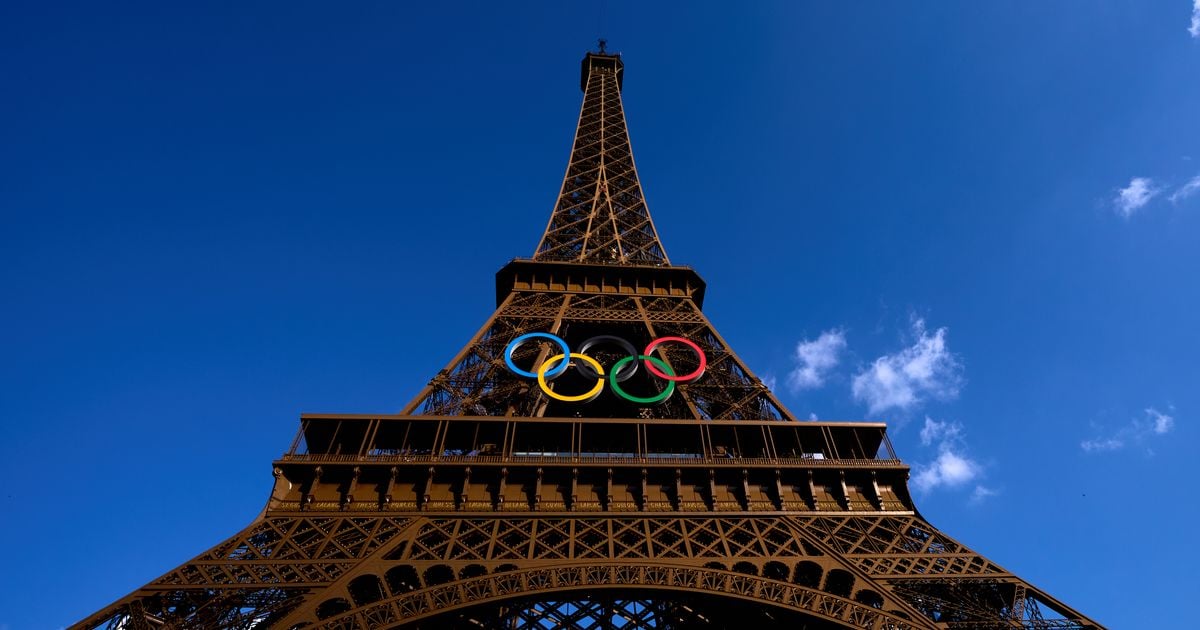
{"type": "Point", "coordinates": [552, 361]}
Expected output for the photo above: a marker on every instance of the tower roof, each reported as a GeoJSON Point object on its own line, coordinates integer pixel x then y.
{"type": "Point", "coordinates": [610, 63]}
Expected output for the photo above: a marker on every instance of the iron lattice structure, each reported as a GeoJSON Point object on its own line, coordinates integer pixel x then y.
{"type": "Point", "coordinates": [489, 503]}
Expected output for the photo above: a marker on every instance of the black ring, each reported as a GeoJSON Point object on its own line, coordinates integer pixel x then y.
{"type": "Point", "coordinates": [625, 374]}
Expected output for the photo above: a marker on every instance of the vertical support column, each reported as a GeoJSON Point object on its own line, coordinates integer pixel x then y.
{"type": "Point", "coordinates": [500, 492]}
{"type": "Point", "coordinates": [779, 489]}
{"type": "Point", "coordinates": [386, 499]}
{"type": "Point", "coordinates": [348, 497]}
{"type": "Point", "coordinates": [608, 497]}
{"type": "Point", "coordinates": [426, 493]}
{"type": "Point", "coordinates": [466, 488]}
{"type": "Point", "coordinates": [310, 496]}
{"type": "Point", "coordinates": [877, 495]}
{"type": "Point", "coordinates": [537, 490]}
{"type": "Point", "coordinates": [812, 491]}
{"type": "Point", "coordinates": [845, 491]}
{"type": "Point", "coordinates": [574, 498]}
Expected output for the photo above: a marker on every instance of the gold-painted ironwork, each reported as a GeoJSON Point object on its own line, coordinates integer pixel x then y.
{"type": "Point", "coordinates": [487, 503]}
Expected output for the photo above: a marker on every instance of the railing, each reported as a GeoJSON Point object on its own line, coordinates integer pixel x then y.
{"type": "Point", "coordinates": [589, 459]}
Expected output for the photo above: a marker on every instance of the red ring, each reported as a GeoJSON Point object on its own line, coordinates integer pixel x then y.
{"type": "Point", "coordinates": [697, 373]}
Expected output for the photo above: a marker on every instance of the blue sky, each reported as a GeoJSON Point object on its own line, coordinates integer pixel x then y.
{"type": "Point", "coordinates": [977, 221]}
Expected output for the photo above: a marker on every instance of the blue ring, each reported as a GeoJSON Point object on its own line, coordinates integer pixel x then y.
{"type": "Point", "coordinates": [512, 346]}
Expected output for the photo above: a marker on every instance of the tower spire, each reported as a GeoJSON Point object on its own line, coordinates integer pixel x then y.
{"type": "Point", "coordinates": [601, 214]}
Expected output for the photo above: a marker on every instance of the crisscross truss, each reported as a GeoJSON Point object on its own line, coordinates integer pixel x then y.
{"type": "Point", "coordinates": [601, 214]}
{"type": "Point", "coordinates": [255, 577]}
{"type": "Point", "coordinates": [478, 383]}
{"type": "Point", "coordinates": [605, 611]}
{"type": "Point", "coordinates": [587, 613]}
{"type": "Point", "coordinates": [490, 503]}
{"type": "Point", "coordinates": [637, 571]}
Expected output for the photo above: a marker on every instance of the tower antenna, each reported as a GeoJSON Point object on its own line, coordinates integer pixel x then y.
{"type": "Point", "coordinates": [603, 26]}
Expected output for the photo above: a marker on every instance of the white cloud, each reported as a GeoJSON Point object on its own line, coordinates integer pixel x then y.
{"type": "Point", "coordinates": [1100, 445]}
{"type": "Point", "coordinates": [1189, 188]}
{"type": "Point", "coordinates": [1162, 423]}
{"type": "Point", "coordinates": [769, 381]}
{"type": "Point", "coordinates": [814, 360]}
{"type": "Point", "coordinates": [935, 431]}
{"type": "Point", "coordinates": [1194, 29]}
{"type": "Point", "coordinates": [1152, 422]}
{"type": "Point", "coordinates": [812, 415]}
{"type": "Point", "coordinates": [1138, 193]}
{"type": "Point", "coordinates": [981, 493]}
{"type": "Point", "coordinates": [950, 469]}
{"type": "Point", "coordinates": [903, 380]}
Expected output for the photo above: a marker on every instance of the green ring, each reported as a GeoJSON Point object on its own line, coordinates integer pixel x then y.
{"type": "Point", "coordinates": [662, 365]}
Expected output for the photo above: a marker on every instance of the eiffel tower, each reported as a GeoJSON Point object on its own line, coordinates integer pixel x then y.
{"type": "Point", "coordinates": [595, 457]}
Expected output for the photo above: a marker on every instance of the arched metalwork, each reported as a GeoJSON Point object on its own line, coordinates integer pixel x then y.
{"type": "Point", "coordinates": [548, 582]}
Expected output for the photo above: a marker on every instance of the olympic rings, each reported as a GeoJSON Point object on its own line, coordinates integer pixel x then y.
{"type": "Point", "coordinates": [520, 341]}
{"type": "Point", "coordinates": [697, 373]}
{"type": "Point", "coordinates": [666, 393]}
{"type": "Point", "coordinates": [585, 397]}
{"type": "Point", "coordinates": [585, 370]}
{"type": "Point", "coordinates": [588, 367]}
